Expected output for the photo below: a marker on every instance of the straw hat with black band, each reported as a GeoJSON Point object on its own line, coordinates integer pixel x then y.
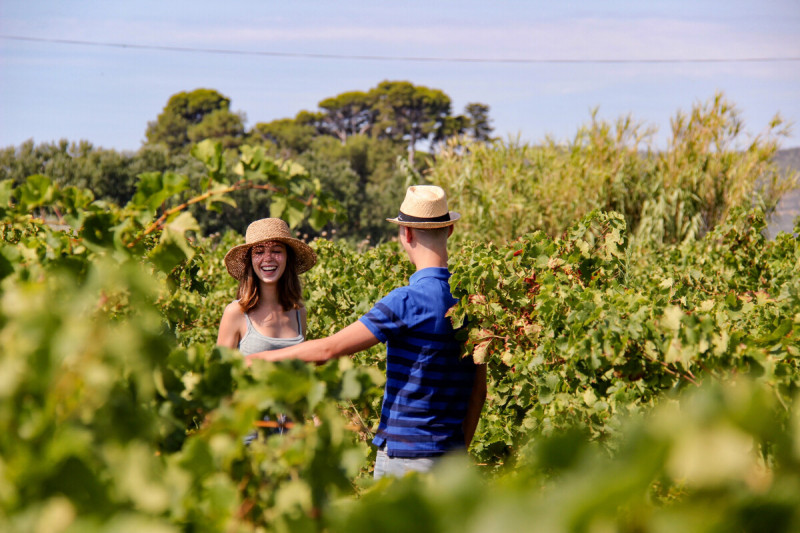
{"type": "Point", "coordinates": [425, 207]}
{"type": "Point", "coordinates": [268, 230]}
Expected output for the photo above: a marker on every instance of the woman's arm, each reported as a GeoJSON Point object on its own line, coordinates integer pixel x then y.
{"type": "Point", "coordinates": [230, 326]}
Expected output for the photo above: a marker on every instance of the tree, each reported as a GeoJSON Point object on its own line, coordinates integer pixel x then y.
{"type": "Point", "coordinates": [449, 127]}
{"type": "Point", "coordinates": [409, 113]}
{"type": "Point", "coordinates": [397, 111]}
{"type": "Point", "coordinates": [348, 114]}
{"type": "Point", "coordinates": [110, 175]}
{"type": "Point", "coordinates": [220, 125]}
{"type": "Point", "coordinates": [189, 117]}
{"type": "Point", "coordinates": [290, 136]}
{"type": "Point", "coordinates": [479, 125]}
{"type": "Point", "coordinates": [18, 163]}
{"type": "Point", "coordinates": [362, 176]}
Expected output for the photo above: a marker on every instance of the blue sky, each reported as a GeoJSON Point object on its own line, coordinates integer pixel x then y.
{"type": "Point", "coordinates": [107, 95]}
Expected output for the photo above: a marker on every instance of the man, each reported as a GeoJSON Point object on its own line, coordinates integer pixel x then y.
{"type": "Point", "coordinates": [433, 397]}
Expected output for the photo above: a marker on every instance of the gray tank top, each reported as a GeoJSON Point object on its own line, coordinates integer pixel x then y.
{"type": "Point", "coordinates": [253, 341]}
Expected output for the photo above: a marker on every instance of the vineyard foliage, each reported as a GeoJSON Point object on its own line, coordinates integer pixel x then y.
{"type": "Point", "coordinates": [631, 389]}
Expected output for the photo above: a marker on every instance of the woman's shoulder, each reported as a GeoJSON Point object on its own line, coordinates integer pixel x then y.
{"type": "Point", "coordinates": [234, 310]}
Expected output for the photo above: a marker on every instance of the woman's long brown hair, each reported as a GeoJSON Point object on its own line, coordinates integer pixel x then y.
{"type": "Point", "coordinates": [290, 291]}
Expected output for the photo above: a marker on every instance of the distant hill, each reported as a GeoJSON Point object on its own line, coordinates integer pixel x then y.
{"type": "Point", "coordinates": [789, 207]}
{"type": "Point", "coordinates": [788, 158]}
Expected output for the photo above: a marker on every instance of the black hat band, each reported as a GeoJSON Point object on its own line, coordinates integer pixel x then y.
{"type": "Point", "coordinates": [402, 217]}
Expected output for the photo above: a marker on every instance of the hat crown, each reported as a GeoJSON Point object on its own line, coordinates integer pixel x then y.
{"type": "Point", "coordinates": [424, 201]}
{"type": "Point", "coordinates": [425, 206]}
{"type": "Point", "coordinates": [267, 228]}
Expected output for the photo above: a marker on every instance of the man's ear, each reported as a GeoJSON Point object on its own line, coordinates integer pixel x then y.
{"type": "Point", "coordinates": [450, 229]}
{"type": "Point", "coordinates": [409, 234]}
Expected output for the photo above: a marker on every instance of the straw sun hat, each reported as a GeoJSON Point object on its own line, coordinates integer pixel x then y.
{"type": "Point", "coordinates": [268, 230]}
{"type": "Point", "coordinates": [425, 206]}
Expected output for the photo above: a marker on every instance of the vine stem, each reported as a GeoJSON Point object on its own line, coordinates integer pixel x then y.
{"type": "Point", "coordinates": [361, 422]}
{"type": "Point", "coordinates": [690, 377]}
{"type": "Point", "coordinates": [272, 424]}
{"type": "Point", "coordinates": [239, 185]}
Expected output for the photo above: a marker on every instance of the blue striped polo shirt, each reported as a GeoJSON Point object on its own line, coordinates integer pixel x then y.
{"type": "Point", "coordinates": [428, 383]}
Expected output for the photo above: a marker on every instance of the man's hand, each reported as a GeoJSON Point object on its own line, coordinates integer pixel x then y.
{"type": "Point", "coordinates": [260, 356]}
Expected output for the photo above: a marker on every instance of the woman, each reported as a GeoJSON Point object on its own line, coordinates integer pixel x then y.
{"type": "Point", "coordinates": [268, 312]}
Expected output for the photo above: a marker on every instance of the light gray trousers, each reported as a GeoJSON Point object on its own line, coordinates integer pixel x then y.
{"type": "Point", "coordinates": [397, 466]}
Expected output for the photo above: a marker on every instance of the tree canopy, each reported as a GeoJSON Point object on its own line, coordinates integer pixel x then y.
{"type": "Point", "coordinates": [410, 113]}
{"type": "Point", "coordinates": [348, 114]}
{"type": "Point", "coordinates": [190, 117]}
{"type": "Point", "coordinates": [404, 113]}
{"type": "Point", "coordinates": [479, 123]}
{"type": "Point", "coordinates": [362, 146]}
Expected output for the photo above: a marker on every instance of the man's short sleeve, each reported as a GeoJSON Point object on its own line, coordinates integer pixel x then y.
{"type": "Point", "coordinates": [384, 319]}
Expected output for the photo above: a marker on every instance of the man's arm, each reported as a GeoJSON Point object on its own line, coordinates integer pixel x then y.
{"type": "Point", "coordinates": [354, 338]}
{"type": "Point", "coordinates": [476, 401]}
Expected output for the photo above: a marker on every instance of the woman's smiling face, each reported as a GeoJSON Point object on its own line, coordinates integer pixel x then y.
{"type": "Point", "coordinates": [269, 261]}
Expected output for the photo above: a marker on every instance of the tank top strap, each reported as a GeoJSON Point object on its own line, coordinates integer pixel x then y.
{"type": "Point", "coordinates": [299, 325]}
{"type": "Point", "coordinates": [250, 326]}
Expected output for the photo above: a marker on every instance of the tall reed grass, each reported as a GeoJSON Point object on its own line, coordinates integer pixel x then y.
{"type": "Point", "coordinates": [505, 189]}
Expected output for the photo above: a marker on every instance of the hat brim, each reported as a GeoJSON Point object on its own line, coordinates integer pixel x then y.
{"type": "Point", "coordinates": [427, 225]}
{"type": "Point", "coordinates": [237, 264]}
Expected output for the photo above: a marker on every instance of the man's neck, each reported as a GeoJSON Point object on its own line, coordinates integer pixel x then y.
{"type": "Point", "coordinates": [423, 250]}
{"type": "Point", "coordinates": [428, 259]}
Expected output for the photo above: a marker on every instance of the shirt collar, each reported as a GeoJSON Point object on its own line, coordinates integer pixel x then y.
{"type": "Point", "coordinates": [430, 272]}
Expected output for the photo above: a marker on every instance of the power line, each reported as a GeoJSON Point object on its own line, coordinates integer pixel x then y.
{"type": "Point", "coordinates": [305, 55]}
